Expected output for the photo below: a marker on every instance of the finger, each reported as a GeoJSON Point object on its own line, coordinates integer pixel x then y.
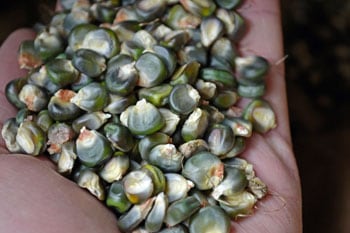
{"type": "Point", "coordinates": [9, 67]}
{"type": "Point", "coordinates": [264, 38]}
{"type": "Point", "coordinates": [34, 198]}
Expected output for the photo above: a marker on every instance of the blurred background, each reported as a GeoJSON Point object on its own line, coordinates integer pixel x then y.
{"type": "Point", "coordinates": [317, 45]}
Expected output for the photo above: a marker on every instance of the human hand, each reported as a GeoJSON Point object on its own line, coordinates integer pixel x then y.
{"type": "Point", "coordinates": [35, 198]}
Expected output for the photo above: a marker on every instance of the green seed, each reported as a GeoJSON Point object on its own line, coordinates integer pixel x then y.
{"type": "Point", "coordinates": [238, 205]}
{"type": "Point", "coordinates": [238, 148]}
{"type": "Point", "coordinates": [67, 158]}
{"type": "Point", "coordinates": [131, 219]}
{"type": "Point", "coordinates": [31, 138]}
{"type": "Point", "coordinates": [225, 99]}
{"type": "Point", "coordinates": [116, 198]}
{"type": "Point", "coordinates": [168, 57]}
{"type": "Point", "coordinates": [146, 144]}
{"type": "Point", "coordinates": [200, 8]}
{"type": "Point", "coordinates": [178, 18]}
{"type": "Point", "coordinates": [91, 98]}
{"type": "Point", "coordinates": [138, 186]}
{"type": "Point", "coordinates": [211, 29]}
{"type": "Point", "coordinates": [92, 148]}
{"type": "Point", "coordinates": [183, 99]}
{"type": "Point", "coordinates": [177, 187]}
{"type": "Point", "coordinates": [119, 104]}
{"type": "Point", "coordinates": [34, 97]}
{"type": "Point", "coordinates": [234, 182]}
{"type": "Point", "coordinates": [157, 177]}
{"type": "Point", "coordinates": [60, 107]}
{"type": "Point", "coordinates": [115, 168]}
{"type": "Point", "coordinates": [151, 69]}
{"type": "Point", "coordinates": [195, 125]}
{"type": "Point", "coordinates": [260, 113]}
{"type": "Point", "coordinates": [144, 118]}
{"type": "Point", "coordinates": [220, 77]}
{"type": "Point", "coordinates": [89, 62]}
{"type": "Point", "coordinates": [44, 120]}
{"type": "Point", "coordinates": [180, 210]}
{"type": "Point", "coordinates": [235, 26]}
{"type": "Point", "coordinates": [125, 30]}
{"type": "Point", "coordinates": [91, 181]}
{"type": "Point", "coordinates": [28, 57]}
{"type": "Point", "coordinates": [48, 44]}
{"type": "Point", "coordinates": [166, 157]}
{"type": "Point", "coordinates": [171, 121]}
{"type": "Point", "coordinates": [75, 18]}
{"type": "Point", "coordinates": [210, 219]}
{"type": "Point", "coordinates": [120, 136]}
{"type": "Point", "coordinates": [155, 218]}
{"type": "Point", "coordinates": [228, 4]}
{"type": "Point", "coordinates": [251, 69]}
{"type": "Point", "coordinates": [8, 133]}
{"type": "Point", "coordinates": [103, 13]}
{"type": "Point", "coordinates": [220, 139]}
{"type": "Point", "coordinates": [76, 36]}
{"type": "Point", "coordinates": [12, 91]}
{"type": "Point", "coordinates": [204, 169]}
{"type": "Point", "coordinates": [150, 9]}
{"type": "Point", "coordinates": [61, 72]}
{"type": "Point", "coordinates": [158, 95]}
{"type": "Point", "coordinates": [122, 81]}
{"type": "Point", "coordinates": [103, 41]}
{"type": "Point", "coordinates": [186, 74]}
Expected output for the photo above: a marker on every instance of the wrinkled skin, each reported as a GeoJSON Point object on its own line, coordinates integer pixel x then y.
{"type": "Point", "coordinates": [35, 198]}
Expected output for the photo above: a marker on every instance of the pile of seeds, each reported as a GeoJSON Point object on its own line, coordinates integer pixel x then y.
{"type": "Point", "coordinates": [136, 102]}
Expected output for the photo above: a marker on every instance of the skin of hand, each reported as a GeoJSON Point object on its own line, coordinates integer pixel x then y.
{"type": "Point", "coordinates": [34, 198]}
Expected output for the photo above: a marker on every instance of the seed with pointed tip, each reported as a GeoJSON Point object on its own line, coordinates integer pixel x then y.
{"type": "Point", "coordinates": [138, 186]}
{"type": "Point", "coordinates": [34, 97]}
{"type": "Point", "coordinates": [177, 186]}
{"type": "Point", "coordinates": [195, 125]}
{"type": "Point", "coordinates": [31, 138]}
{"type": "Point", "coordinates": [204, 169]}
{"type": "Point", "coordinates": [12, 91]}
{"type": "Point", "coordinates": [115, 168]}
{"type": "Point", "coordinates": [156, 216]}
{"type": "Point", "coordinates": [211, 29]}
{"type": "Point", "coordinates": [8, 133]}
{"type": "Point", "coordinates": [92, 148]}
{"type": "Point", "coordinates": [91, 181]}
{"type": "Point", "coordinates": [67, 158]}
{"type": "Point", "coordinates": [210, 219]}
{"type": "Point", "coordinates": [60, 107]}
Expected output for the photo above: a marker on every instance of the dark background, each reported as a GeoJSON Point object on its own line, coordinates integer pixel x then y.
{"type": "Point", "coordinates": [317, 43]}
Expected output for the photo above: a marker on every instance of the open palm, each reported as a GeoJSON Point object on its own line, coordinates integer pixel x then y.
{"type": "Point", "coordinates": [35, 198]}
